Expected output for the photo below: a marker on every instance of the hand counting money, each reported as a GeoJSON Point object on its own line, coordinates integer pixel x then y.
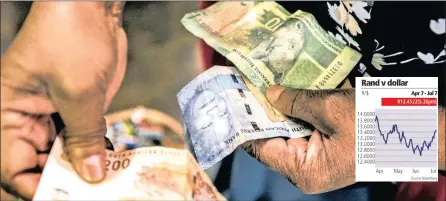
{"type": "Point", "coordinates": [221, 113]}
{"type": "Point", "coordinates": [270, 46]}
{"type": "Point", "coordinates": [154, 173]}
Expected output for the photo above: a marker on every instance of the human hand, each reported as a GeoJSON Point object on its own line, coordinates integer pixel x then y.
{"type": "Point", "coordinates": [70, 58]}
{"type": "Point", "coordinates": [326, 161]}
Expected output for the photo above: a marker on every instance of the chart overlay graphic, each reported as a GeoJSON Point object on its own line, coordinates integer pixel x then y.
{"type": "Point", "coordinates": [396, 129]}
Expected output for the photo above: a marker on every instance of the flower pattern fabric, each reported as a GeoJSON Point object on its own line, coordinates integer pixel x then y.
{"type": "Point", "coordinates": [351, 15]}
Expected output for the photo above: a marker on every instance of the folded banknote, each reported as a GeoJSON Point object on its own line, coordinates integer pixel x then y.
{"type": "Point", "coordinates": [271, 46]}
{"type": "Point", "coordinates": [221, 113]}
{"type": "Point", "coordinates": [154, 173]}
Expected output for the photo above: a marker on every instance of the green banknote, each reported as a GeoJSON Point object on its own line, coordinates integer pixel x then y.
{"type": "Point", "coordinates": [271, 46]}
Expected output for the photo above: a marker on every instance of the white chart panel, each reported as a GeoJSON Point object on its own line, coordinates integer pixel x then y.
{"type": "Point", "coordinates": [396, 129]}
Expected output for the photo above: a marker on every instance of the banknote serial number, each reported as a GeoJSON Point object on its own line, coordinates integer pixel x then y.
{"type": "Point", "coordinates": [330, 74]}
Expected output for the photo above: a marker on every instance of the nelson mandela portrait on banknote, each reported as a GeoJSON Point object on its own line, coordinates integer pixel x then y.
{"type": "Point", "coordinates": [208, 115]}
{"type": "Point", "coordinates": [220, 113]}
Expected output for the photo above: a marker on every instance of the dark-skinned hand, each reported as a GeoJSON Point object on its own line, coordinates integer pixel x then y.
{"type": "Point", "coordinates": [70, 58]}
{"type": "Point", "coordinates": [326, 161]}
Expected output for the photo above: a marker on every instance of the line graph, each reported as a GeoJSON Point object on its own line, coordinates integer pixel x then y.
{"type": "Point", "coordinates": [396, 129]}
{"type": "Point", "coordinates": [402, 137]}
{"type": "Point", "coordinates": [410, 132]}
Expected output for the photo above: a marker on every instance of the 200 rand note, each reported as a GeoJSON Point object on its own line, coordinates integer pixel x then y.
{"type": "Point", "coordinates": [155, 173]}
{"type": "Point", "coordinates": [270, 46]}
{"type": "Point", "coordinates": [221, 112]}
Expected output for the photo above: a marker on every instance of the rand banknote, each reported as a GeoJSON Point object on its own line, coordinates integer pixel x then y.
{"type": "Point", "coordinates": [271, 46]}
{"type": "Point", "coordinates": [221, 113]}
{"type": "Point", "coordinates": [149, 173]}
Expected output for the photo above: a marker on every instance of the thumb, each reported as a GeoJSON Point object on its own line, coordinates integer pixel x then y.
{"type": "Point", "coordinates": [85, 128]}
{"type": "Point", "coordinates": [86, 151]}
{"type": "Point", "coordinates": [304, 104]}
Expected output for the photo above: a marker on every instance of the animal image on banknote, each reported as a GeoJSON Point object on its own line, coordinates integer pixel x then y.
{"type": "Point", "coordinates": [272, 46]}
{"type": "Point", "coordinates": [280, 52]}
{"type": "Point", "coordinates": [148, 173]}
{"type": "Point", "coordinates": [220, 113]}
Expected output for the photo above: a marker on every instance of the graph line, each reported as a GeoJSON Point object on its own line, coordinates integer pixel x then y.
{"type": "Point", "coordinates": [401, 137]}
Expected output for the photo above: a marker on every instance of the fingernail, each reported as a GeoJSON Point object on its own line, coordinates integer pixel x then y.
{"type": "Point", "coordinates": [273, 93]}
{"type": "Point", "coordinates": [91, 168]}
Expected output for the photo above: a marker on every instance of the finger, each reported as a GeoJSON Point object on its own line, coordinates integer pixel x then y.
{"type": "Point", "coordinates": [21, 131]}
{"type": "Point", "coordinates": [116, 81]}
{"type": "Point", "coordinates": [85, 128]}
{"type": "Point", "coordinates": [329, 164]}
{"type": "Point", "coordinates": [86, 152]}
{"type": "Point", "coordinates": [314, 145]}
{"type": "Point", "coordinates": [29, 141]}
{"type": "Point", "coordinates": [26, 102]}
{"type": "Point", "coordinates": [28, 183]}
{"type": "Point", "coordinates": [42, 134]}
{"type": "Point", "coordinates": [115, 9]}
{"type": "Point", "coordinates": [304, 104]}
{"type": "Point", "coordinates": [22, 91]}
{"type": "Point", "coordinates": [283, 156]}
{"type": "Point", "coordinates": [6, 196]}
{"type": "Point", "coordinates": [17, 165]}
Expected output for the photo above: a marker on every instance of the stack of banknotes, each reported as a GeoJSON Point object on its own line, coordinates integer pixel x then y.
{"type": "Point", "coordinates": [226, 106]}
{"type": "Point", "coordinates": [149, 173]}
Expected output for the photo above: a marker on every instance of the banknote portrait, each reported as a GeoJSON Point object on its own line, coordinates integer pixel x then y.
{"type": "Point", "coordinates": [208, 116]}
{"type": "Point", "coordinates": [208, 112]}
{"type": "Point", "coordinates": [280, 52]}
